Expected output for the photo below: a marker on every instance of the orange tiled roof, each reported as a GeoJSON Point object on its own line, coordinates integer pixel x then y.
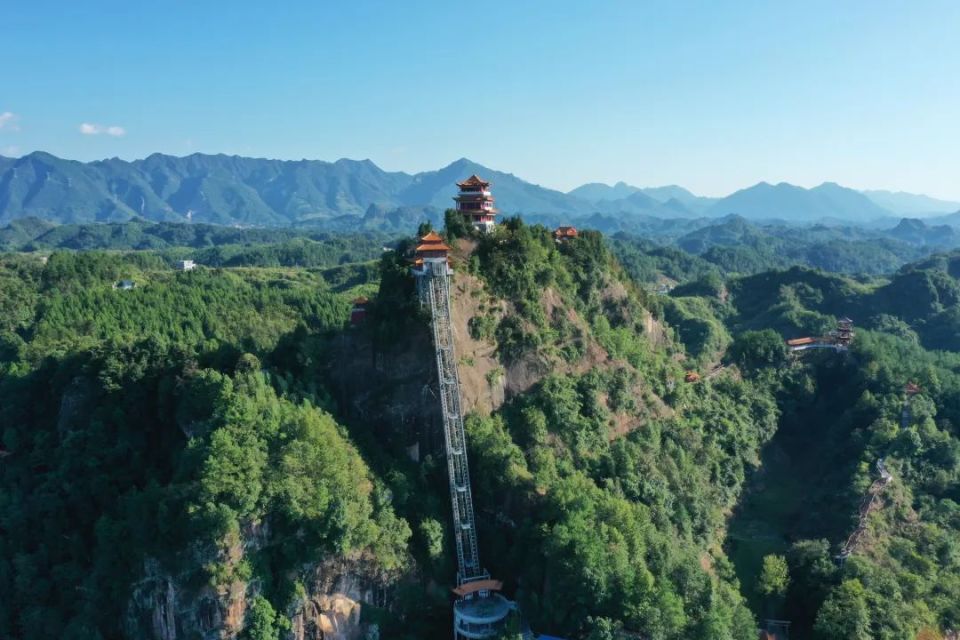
{"type": "Point", "coordinates": [800, 341]}
{"type": "Point", "coordinates": [566, 232]}
{"type": "Point", "coordinates": [474, 181]}
{"type": "Point", "coordinates": [433, 236]}
{"type": "Point", "coordinates": [361, 300]}
{"type": "Point", "coordinates": [478, 585]}
{"type": "Point", "coordinates": [432, 247]}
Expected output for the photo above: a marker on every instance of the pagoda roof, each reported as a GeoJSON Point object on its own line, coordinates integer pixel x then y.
{"type": "Point", "coordinates": [474, 181]}
{"type": "Point", "coordinates": [433, 236]}
{"type": "Point", "coordinates": [432, 246]}
{"type": "Point", "coordinates": [478, 585]}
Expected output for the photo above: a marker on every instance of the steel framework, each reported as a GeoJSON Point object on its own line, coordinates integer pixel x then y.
{"type": "Point", "coordinates": [433, 287]}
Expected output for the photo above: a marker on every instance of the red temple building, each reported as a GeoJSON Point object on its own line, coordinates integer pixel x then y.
{"type": "Point", "coordinates": [432, 251]}
{"type": "Point", "coordinates": [565, 233]}
{"type": "Point", "coordinates": [476, 203]}
{"type": "Point", "coordinates": [359, 312]}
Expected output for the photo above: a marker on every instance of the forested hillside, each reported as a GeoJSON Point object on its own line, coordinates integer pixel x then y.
{"type": "Point", "coordinates": [654, 248]}
{"type": "Point", "coordinates": [221, 453]}
{"type": "Point", "coordinates": [841, 415]}
{"type": "Point", "coordinates": [735, 246]}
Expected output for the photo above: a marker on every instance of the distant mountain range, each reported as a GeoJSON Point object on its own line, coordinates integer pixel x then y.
{"type": "Point", "coordinates": [912, 204]}
{"type": "Point", "coordinates": [734, 231]}
{"type": "Point", "coordinates": [353, 194]}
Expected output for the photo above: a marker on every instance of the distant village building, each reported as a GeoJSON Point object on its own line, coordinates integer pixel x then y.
{"type": "Point", "coordinates": [839, 339]}
{"type": "Point", "coordinates": [475, 203]}
{"type": "Point", "coordinates": [844, 332]}
{"type": "Point", "coordinates": [186, 265]}
{"type": "Point", "coordinates": [561, 234]}
{"type": "Point", "coordinates": [124, 285]}
{"type": "Point", "coordinates": [359, 312]}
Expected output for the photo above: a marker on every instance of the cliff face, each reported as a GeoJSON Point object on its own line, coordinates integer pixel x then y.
{"type": "Point", "coordinates": [390, 389]}
{"type": "Point", "coordinates": [388, 392]}
{"type": "Point", "coordinates": [165, 607]}
{"type": "Point", "coordinates": [161, 608]}
{"type": "Point", "coordinates": [336, 593]}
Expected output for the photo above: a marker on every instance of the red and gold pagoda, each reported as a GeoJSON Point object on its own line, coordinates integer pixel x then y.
{"type": "Point", "coordinates": [476, 203]}
{"type": "Point", "coordinates": [431, 252]}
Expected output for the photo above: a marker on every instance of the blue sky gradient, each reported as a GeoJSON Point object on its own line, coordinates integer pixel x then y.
{"type": "Point", "coordinates": [713, 96]}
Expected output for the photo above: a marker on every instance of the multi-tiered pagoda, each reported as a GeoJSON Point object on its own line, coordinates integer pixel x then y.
{"type": "Point", "coordinates": [476, 204]}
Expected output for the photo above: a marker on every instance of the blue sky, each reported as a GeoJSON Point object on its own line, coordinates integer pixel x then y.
{"type": "Point", "coordinates": [714, 96]}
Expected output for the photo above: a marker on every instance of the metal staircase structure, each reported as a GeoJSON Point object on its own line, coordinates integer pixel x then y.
{"type": "Point", "coordinates": [480, 612]}
{"type": "Point", "coordinates": [869, 504]}
{"type": "Point", "coordinates": [434, 289]}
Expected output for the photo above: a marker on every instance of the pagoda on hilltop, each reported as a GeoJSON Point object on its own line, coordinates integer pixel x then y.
{"type": "Point", "coordinates": [475, 203]}
{"type": "Point", "coordinates": [432, 253]}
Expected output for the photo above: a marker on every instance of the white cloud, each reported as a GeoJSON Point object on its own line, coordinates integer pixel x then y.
{"type": "Point", "coordinates": [91, 129]}
{"type": "Point", "coordinates": [10, 151]}
{"type": "Point", "coordinates": [8, 120]}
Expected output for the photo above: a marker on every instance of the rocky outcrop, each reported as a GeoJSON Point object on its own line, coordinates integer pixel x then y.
{"type": "Point", "coordinates": [163, 607]}
{"type": "Point", "coordinates": [336, 593]}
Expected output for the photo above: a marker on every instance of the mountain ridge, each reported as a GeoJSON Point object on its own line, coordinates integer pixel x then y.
{"type": "Point", "coordinates": [244, 191]}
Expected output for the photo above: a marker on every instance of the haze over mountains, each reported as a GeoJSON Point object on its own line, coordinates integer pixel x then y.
{"type": "Point", "coordinates": [235, 190]}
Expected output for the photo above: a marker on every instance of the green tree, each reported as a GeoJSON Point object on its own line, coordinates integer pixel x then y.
{"type": "Point", "coordinates": [844, 614]}
{"type": "Point", "coordinates": [261, 621]}
{"type": "Point", "coordinates": [455, 225]}
{"type": "Point", "coordinates": [424, 228]}
{"type": "Point", "coordinates": [774, 577]}
{"type": "Point", "coordinates": [432, 532]}
{"type": "Point", "coordinates": [756, 349]}
{"type": "Point", "coordinates": [603, 629]}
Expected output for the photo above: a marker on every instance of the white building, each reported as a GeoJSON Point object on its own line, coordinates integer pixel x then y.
{"type": "Point", "coordinates": [125, 285]}
{"type": "Point", "coordinates": [186, 265]}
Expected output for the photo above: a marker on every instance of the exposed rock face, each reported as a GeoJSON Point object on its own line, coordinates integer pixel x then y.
{"type": "Point", "coordinates": [482, 381]}
{"type": "Point", "coordinates": [161, 608]}
{"type": "Point", "coordinates": [332, 609]}
{"type": "Point", "coordinates": [74, 404]}
{"type": "Point", "coordinates": [390, 391]}
{"type": "Point", "coordinates": [164, 611]}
